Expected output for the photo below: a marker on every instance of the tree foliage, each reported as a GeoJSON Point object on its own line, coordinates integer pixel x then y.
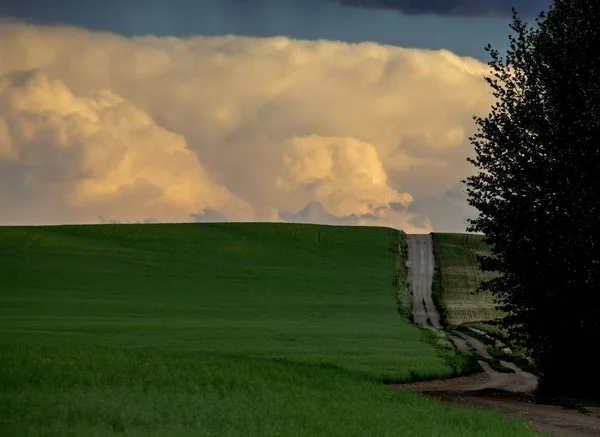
{"type": "Point", "coordinates": [537, 190]}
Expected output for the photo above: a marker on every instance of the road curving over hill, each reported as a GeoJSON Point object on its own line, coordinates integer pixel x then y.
{"type": "Point", "coordinates": [420, 279]}
{"type": "Point", "coordinates": [506, 392]}
{"type": "Point", "coordinates": [421, 266]}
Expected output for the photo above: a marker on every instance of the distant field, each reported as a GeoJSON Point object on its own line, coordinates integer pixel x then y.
{"type": "Point", "coordinates": [456, 258]}
{"type": "Point", "coordinates": [213, 329]}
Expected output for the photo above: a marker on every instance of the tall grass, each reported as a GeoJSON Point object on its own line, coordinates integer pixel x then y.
{"type": "Point", "coordinates": [214, 329]}
{"type": "Point", "coordinates": [107, 391]}
{"type": "Point", "coordinates": [308, 293]}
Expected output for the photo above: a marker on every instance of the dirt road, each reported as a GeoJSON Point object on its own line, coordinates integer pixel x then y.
{"type": "Point", "coordinates": [506, 392]}
{"type": "Point", "coordinates": [550, 420]}
{"type": "Point", "coordinates": [420, 278]}
{"type": "Point", "coordinates": [421, 266]}
{"type": "Point", "coordinates": [518, 382]}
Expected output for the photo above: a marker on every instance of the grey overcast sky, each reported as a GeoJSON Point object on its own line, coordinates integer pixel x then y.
{"type": "Point", "coordinates": [461, 26]}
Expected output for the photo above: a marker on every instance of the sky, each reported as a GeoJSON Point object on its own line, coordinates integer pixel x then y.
{"type": "Point", "coordinates": [322, 111]}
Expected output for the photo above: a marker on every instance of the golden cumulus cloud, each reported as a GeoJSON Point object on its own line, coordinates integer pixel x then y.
{"type": "Point", "coordinates": [344, 175]}
{"type": "Point", "coordinates": [94, 124]}
{"type": "Point", "coordinates": [108, 156]}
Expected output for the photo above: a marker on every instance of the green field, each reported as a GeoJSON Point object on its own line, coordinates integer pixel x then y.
{"type": "Point", "coordinates": [459, 274]}
{"type": "Point", "coordinates": [214, 329]}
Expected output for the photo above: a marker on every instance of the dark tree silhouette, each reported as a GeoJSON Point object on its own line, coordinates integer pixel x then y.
{"type": "Point", "coordinates": [537, 190]}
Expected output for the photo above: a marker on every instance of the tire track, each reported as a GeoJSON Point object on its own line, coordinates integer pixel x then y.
{"type": "Point", "coordinates": [518, 382]}
{"type": "Point", "coordinates": [420, 279]}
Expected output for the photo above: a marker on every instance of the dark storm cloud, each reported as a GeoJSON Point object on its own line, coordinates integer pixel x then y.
{"type": "Point", "coordinates": [455, 7]}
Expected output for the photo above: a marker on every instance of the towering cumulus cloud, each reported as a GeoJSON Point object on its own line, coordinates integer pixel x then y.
{"type": "Point", "coordinates": [98, 153]}
{"type": "Point", "coordinates": [95, 126]}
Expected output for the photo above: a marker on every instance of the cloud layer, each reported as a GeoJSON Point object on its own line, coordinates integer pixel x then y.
{"type": "Point", "coordinates": [456, 7]}
{"type": "Point", "coordinates": [213, 128]}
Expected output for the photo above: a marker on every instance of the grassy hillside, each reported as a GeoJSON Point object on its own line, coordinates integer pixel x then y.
{"type": "Point", "coordinates": [224, 329]}
{"type": "Point", "coordinates": [459, 276]}
{"type": "Point", "coordinates": [304, 293]}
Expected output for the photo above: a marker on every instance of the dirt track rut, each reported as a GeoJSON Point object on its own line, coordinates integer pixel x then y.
{"type": "Point", "coordinates": [517, 382]}
{"type": "Point", "coordinates": [420, 279]}
{"type": "Point", "coordinates": [507, 392]}
{"type": "Point", "coordinates": [421, 267]}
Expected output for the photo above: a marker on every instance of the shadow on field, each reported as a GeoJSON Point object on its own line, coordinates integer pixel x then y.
{"type": "Point", "coordinates": [543, 418]}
